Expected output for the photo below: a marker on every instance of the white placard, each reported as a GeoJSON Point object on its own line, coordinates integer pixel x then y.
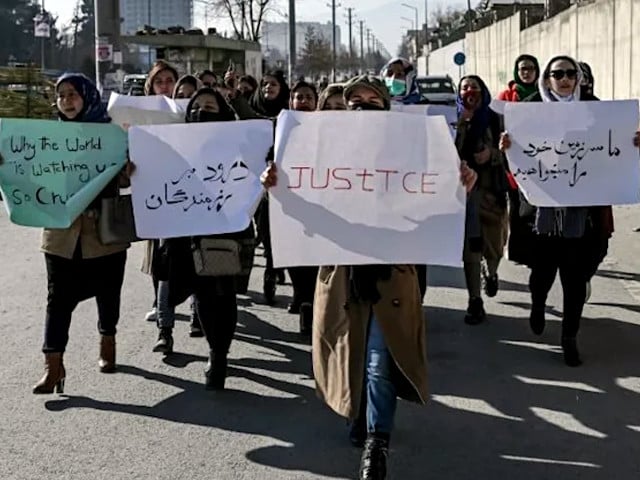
{"type": "Point", "coordinates": [197, 178]}
{"type": "Point", "coordinates": [366, 188]}
{"type": "Point", "coordinates": [127, 110]}
{"type": "Point", "coordinates": [449, 112]}
{"type": "Point", "coordinates": [575, 154]}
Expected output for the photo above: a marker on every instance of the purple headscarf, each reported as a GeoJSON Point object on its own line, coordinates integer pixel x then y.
{"type": "Point", "coordinates": [93, 111]}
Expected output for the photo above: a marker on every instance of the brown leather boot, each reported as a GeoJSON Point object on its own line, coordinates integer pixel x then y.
{"type": "Point", "coordinates": [107, 362]}
{"type": "Point", "coordinates": [54, 375]}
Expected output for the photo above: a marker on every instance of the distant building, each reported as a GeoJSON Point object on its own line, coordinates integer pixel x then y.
{"type": "Point", "coordinates": [275, 37]}
{"type": "Point", "coordinates": [156, 13]}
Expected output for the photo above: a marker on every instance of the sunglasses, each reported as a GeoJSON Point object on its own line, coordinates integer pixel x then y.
{"type": "Point", "coordinates": [560, 74]}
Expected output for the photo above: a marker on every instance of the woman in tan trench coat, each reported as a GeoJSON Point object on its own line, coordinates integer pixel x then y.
{"type": "Point", "coordinates": [368, 329]}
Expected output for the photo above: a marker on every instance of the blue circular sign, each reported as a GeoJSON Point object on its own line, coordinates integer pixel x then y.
{"type": "Point", "coordinates": [459, 58]}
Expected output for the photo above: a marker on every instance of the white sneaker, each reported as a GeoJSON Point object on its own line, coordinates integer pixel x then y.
{"type": "Point", "coordinates": [588, 296]}
{"type": "Point", "coordinates": [151, 315]}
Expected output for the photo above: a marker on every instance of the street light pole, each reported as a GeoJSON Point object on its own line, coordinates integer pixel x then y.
{"type": "Point", "coordinates": [292, 40]}
{"type": "Point", "coordinates": [42, 40]}
{"type": "Point", "coordinates": [417, 35]}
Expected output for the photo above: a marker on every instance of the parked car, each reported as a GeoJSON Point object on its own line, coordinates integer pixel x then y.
{"type": "Point", "coordinates": [437, 89]}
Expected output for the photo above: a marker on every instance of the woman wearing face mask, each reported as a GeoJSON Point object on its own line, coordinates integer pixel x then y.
{"type": "Point", "coordinates": [400, 78]}
{"type": "Point", "coordinates": [79, 266]}
{"type": "Point", "coordinates": [161, 80]}
{"type": "Point", "coordinates": [525, 80]}
{"type": "Point", "coordinates": [477, 138]}
{"type": "Point", "coordinates": [564, 236]}
{"type": "Point", "coordinates": [368, 325]}
{"type": "Point", "coordinates": [215, 297]}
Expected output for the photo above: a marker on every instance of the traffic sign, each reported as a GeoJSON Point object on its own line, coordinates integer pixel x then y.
{"type": "Point", "coordinates": [459, 59]}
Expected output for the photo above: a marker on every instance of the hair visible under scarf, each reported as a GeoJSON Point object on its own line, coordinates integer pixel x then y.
{"type": "Point", "coordinates": [159, 66]}
{"type": "Point", "coordinates": [186, 80]}
{"type": "Point", "coordinates": [331, 90]}
{"type": "Point", "coordinates": [225, 112]}
{"type": "Point", "coordinates": [482, 116]}
{"type": "Point", "coordinates": [271, 108]}
{"type": "Point", "coordinates": [525, 90]}
{"type": "Point", "coordinates": [93, 110]}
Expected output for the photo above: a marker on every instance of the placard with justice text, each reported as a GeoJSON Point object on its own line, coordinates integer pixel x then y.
{"type": "Point", "coordinates": [574, 154]}
{"type": "Point", "coordinates": [197, 178]}
{"type": "Point", "coordinates": [51, 171]}
{"type": "Point", "coordinates": [366, 188]}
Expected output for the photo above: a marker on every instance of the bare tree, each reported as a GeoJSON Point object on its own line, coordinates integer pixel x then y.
{"type": "Point", "coordinates": [246, 15]}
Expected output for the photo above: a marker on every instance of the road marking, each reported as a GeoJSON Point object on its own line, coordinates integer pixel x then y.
{"type": "Point", "coordinates": [549, 461]}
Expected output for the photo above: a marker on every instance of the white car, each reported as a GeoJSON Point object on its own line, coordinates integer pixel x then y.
{"type": "Point", "coordinates": [437, 89]}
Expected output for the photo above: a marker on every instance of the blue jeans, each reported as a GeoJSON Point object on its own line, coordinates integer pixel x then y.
{"type": "Point", "coordinates": [166, 313]}
{"type": "Point", "coordinates": [381, 391]}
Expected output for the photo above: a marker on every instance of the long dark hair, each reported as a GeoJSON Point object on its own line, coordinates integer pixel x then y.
{"type": "Point", "coordinates": [271, 108]}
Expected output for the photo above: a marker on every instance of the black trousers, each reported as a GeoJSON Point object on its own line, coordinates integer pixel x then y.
{"type": "Point", "coordinates": [215, 302]}
{"type": "Point", "coordinates": [303, 280]}
{"type": "Point", "coordinates": [75, 280]}
{"type": "Point", "coordinates": [571, 258]}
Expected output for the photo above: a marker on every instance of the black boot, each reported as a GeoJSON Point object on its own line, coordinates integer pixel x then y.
{"type": "Point", "coordinates": [269, 287]}
{"type": "Point", "coordinates": [536, 319]}
{"type": "Point", "coordinates": [165, 341]}
{"type": "Point", "coordinates": [373, 465]}
{"type": "Point", "coordinates": [475, 312]}
{"type": "Point", "coordinates": [570, 350]}
{"type": "Point", "coordinates": [216, 372]}
{"type": "Point", "coordinates": [306, 318]}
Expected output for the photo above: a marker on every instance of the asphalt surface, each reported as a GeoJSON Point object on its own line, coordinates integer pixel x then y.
{"type": "Point", "coordinates": [503, 403]}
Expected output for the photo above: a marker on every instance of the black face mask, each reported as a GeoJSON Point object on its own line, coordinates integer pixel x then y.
{"type": "Point", "coordinates": [366, 106]}
{"type": "Point", "coordinates": [199, 116]}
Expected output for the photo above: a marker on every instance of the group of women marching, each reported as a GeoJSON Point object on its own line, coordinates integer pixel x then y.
{"type": "Point", "coordinates": [366, 322]}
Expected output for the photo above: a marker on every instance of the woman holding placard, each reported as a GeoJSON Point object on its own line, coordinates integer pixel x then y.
{"type": "Point", "coordinates": [368, 329]}
{"type": "Point", "coordinates": [79, 266]}
{"type": "Point", "coordinates": [564, 236]}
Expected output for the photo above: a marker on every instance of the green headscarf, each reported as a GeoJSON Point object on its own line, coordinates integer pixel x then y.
{"type": "Point", "coordinates": [526, 90]}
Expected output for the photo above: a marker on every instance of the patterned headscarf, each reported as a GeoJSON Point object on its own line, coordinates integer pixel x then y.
{"type": "Point", "coordinates": [93, 109]}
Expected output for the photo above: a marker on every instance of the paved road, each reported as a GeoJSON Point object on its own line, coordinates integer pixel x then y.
{"type": "Point", "coordinates": [503, 403]}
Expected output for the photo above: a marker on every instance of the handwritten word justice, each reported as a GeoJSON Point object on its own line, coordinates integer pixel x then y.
{"type": "Point", "coordinates": [362, 179]}
{"type": "Point", "coordinates": [29, 148]}
{"type": "Point", "coordinates": [174, 194]}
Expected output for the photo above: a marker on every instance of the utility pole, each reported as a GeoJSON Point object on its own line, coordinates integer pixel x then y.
{"type": "Point", "coordinates": [333, 40]}
{"type": "Point", "coordinates": [361, 47]}
{"type": "Point", "coordinates": [244, 19]}
{"type": "Point", "coordinates": [350, 19]}
{"type": "Point", "coordinates": [368, 48]}
{"type": "Point", "coordinates": [43, 38]}
{"type": "Point", "coordinates": [292, 40]}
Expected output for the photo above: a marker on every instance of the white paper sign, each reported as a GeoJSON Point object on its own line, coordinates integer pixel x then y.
{"type": "Point", "coordinates": [197, 178]}
{"type": "Point", "coordinates": [575, 154]}
{"type": "Point", "coordinates": [127, 110]}
{"type": "Point", "coordinates": [447, 111]}
{"type": "Point", "coordinates": [366, 188]}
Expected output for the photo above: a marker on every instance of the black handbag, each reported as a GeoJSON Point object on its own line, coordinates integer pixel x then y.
{"type": "Point", "coordinates": [116, 224]}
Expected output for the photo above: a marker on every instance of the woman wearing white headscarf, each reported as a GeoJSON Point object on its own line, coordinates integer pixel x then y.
{"type": "Point", "coordinates": [565, 237]}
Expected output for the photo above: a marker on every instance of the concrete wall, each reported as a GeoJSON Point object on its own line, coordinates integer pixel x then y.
{"type": "Point", "coordinates": [441, 60]}
{"type": "Point", "coordinates": [605, 34]}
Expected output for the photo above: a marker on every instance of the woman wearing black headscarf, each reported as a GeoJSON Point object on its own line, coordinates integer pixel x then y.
{"type": "Point", "coordinates": [215, 297]}
{"type": "Point", "coordinates": [477, 138]}
{"type": "Point", "coordinates": [79, 266]}
{"type": "Point", "coordinates": [269, 100]}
